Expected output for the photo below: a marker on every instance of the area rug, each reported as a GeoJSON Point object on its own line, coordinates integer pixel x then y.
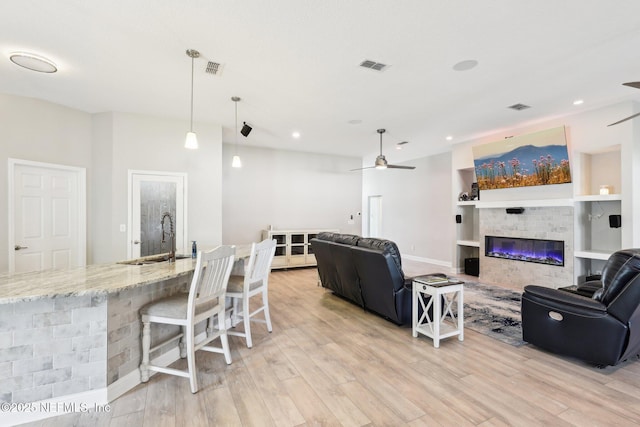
{"type": "Point", "coordinates": [493, 311]}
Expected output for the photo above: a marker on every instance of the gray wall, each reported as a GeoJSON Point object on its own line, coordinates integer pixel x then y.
{"type": "Point", "coordinates": [417, 211]}
{"type": "Point", "coordinates": [108, 145]}
{"type": "Point", "coordinates": [39, 131]}
{"type": "Point", "coordinates": [288, 190]}
{"type": "Point", "coordinates": [138, 142]}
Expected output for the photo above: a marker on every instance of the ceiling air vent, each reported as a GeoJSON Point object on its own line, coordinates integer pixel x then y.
{"type": "Point", "coordinates": [519, 107]}
{"type": "Point", "coordinates": [214, 68]}
{"type": "Point", "coordinates": [377, 66]}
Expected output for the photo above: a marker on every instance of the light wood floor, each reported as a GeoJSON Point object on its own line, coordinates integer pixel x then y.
{"type": "Point", "coordinates": [328, 363]}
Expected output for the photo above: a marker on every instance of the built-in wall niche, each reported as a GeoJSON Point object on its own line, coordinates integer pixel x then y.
{"type": "Point", "coordinates": [594, 232]}
{"type": "Point", "coordinates": [598, 170]}
{"type": "Point", "coordinates": [466, 177]}
{"type": "Point", "coordinates": [586, 267]}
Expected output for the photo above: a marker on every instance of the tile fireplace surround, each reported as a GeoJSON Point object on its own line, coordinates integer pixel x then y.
{"type": "Point", "coordinates": [552, 223]}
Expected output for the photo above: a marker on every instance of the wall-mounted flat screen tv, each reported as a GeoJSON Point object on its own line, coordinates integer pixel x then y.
{"type": "Point", "coordinates": [539, 158]}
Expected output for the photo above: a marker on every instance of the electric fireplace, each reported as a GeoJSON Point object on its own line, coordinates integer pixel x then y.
{"type": "Point", "coordinates": [550, 252]}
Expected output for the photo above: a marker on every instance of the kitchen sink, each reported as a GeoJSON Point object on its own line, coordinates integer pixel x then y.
{"type": "Point", "coordinates": [152, 259]}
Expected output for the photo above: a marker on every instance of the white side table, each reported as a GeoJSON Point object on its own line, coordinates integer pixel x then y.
{"type": "Point", "coordinates": [444, 323]}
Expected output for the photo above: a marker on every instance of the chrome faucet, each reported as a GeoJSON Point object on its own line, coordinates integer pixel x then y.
{"type": "Point", "coordinates": [172, 236]}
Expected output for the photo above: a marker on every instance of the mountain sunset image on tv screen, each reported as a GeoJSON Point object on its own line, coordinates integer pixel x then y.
{"type": "Point", "coordinates": [539, 158]}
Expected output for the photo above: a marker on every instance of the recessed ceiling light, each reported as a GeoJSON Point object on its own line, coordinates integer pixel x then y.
{"type": "Point", "coordinates": [465, 65]}
{"type": "Point", "coordinates": [296, 135]}
{"type": "Point", "coordinates": [578, 102]}
{"type": "Point", "coordinates": [449, 138]}
{"type": "Point", "coordinates": [33, 62]}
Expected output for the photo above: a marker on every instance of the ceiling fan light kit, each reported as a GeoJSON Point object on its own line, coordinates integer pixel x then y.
{"type": "Point", "coordinates": [381, 161]}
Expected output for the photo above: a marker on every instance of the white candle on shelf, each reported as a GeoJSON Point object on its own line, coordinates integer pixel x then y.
{"type": "Point", "coordinates": [604, 190]}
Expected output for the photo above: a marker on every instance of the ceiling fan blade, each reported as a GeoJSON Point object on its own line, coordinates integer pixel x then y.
{"type": "Point", "coordinates": [633, 84]}
{"type": "Point", "coordinates": [359, 169]}
{"type": "Point", "coordinates": [624, 120]}
{"type": "Point", "coordinates": [400, 167]}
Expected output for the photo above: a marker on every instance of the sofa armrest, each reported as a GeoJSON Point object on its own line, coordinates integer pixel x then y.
{"type": "Point", "coordinates": [559, 300]}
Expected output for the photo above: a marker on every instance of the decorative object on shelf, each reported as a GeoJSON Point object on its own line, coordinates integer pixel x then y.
{"type": "Point", "coordinates": [463, 197]}
{"type": "Point", "coordinates": [539, 158]}
{"type": "Point", "coordinates": [604, 190]}
{"type": "Point", "coordinates": [381, 161]}
{"type": "Point", "coordinates": [615, 221]}
{"type": "Point", "coordinates": [475, 192]}
{"type": "Point", "coordinates": [191, 141]}
{"type": "Point", "coordinates": [236, 162]}
{"type": "Point", "coordinates": [634, 85]}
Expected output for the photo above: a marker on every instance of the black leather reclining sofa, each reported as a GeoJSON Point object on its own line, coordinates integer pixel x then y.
{"type": "Point", "coordinates": [366, 271]}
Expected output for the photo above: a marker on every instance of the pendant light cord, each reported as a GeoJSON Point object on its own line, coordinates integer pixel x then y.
{"type": "Point", "coordinates": [192, 60]}
{"type": "Point", "coordinates": [236, 127]}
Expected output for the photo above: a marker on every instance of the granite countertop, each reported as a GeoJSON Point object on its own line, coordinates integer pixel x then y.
{"type": "Point", "coordinates": [94, 279]}
{"type": "Point", "coordinates": [90, 280]}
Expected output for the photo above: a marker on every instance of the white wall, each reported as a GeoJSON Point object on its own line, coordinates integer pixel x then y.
{"type": "Point", "coordinates": [129, 141]}
{"type": "Point", "coordinates": [416, 207]}
{"type": "Point", "coordinates": [288, 190]}
{"type": "Point", "coordinates": [36, 130]}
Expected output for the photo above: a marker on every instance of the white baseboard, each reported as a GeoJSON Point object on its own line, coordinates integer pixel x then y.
{"type": "Point", "coordinates": [428, 260]}
{"type": "Point", "coordinates": [132, 379]}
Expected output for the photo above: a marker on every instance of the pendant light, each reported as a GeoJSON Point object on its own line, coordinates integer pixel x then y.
{"type": "Point", "coordinates": [236, 162]}
{"type": "Point", "coordinates": [191, 141]}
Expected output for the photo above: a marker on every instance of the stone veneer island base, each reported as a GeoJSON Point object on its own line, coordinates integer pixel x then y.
{"type": "Point", "coordinates": [70, 339]}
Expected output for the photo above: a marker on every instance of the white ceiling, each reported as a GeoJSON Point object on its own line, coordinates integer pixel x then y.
{"type": "Point", "coordinates": [295, 64]}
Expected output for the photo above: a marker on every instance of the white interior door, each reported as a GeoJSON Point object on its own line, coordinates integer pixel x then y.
{"type": "Point", "coordinates": [47, 226]}
{"type": "Point", "coordinates": [375, 216]}
{"type": "Point", "coordinates": [152, 194]}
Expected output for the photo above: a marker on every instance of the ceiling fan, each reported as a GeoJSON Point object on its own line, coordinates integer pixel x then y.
{"type": "Point", "coordinates": [634, 85]}
{"type": "Point", "coordinates": [381, 161]}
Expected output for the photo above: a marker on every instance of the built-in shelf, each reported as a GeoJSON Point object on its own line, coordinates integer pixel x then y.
{"type": "Point", "coordinates": [601, 255]}
{"type": "Point", "coordinates": [597, 198]}
{"type": "Point", "coordinates": [524, 203]}
{"type": "Point", "coordinates": [471, 243]}
{"type": "Point", "coordinates": [467, 203]}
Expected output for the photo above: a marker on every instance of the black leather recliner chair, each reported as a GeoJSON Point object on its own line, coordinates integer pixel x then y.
{"type": "Point", "coordinates": [603, 329]}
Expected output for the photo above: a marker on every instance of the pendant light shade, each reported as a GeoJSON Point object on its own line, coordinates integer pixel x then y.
{"type": "Point", "coordinates": [236, 162]}
{"type": "Point", "coordinates": [191, 141]}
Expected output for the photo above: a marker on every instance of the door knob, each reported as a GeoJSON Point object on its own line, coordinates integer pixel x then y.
{"type": "Point", "coordinates": [136, 242]}
{"type": "Point", "coordinates": [18, 247]}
